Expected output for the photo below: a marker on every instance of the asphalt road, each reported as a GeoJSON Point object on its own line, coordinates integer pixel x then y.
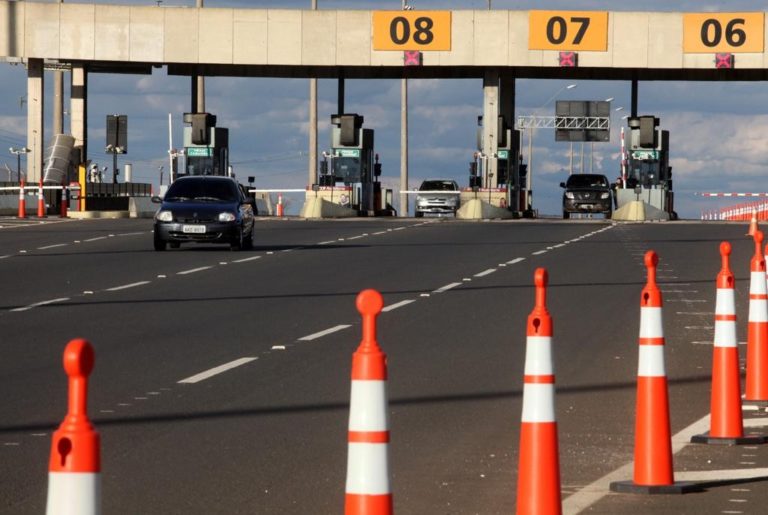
{"type": "Point", "coordinates": [269, 436]}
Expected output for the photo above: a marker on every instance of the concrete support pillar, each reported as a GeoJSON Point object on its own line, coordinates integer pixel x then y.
{"type": "Point", "coordinates": [312, 171]}
{"type": "Point", "coordinates": [58, 102]}
{"type": "Point", "coordinates": [35, 113]}
{"type": "Point", "coordinates": [78, 109]}
{"type": "Point", "coordinates": [490, 124]}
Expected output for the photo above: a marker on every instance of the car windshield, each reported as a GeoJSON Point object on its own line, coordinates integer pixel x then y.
{"type": "Point", "coordinates": [587, 181]}
{"type": "Point", "coordinates": [438, 186]}
{"type": "Point", "coordinates": [202, 190]}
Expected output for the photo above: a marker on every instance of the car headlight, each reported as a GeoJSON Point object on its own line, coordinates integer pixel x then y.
{"type": "Point", "coordinates": [605, 195]}
{"type": "Point", "coordinates": [164, 216]}
{"type": "Point", "coordinates": [421, 201]}
{"type": "Point", "coordinates": [226, 216]}
{"type": "Point", "coordinates": [568, 194]}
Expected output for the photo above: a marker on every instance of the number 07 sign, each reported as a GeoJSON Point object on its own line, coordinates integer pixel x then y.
{"type": "Point", "coordinates": [568, 30]}
{"type": "Point", "coordinates": [412, 30]}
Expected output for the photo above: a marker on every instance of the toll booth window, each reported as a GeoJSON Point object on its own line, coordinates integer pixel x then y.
{"type": "Point", "coordinates": [347, 169]}
{"type": "Point", "coordinates": [200, 166]}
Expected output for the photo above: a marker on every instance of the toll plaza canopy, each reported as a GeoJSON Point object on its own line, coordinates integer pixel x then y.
{"type": "Point", "coordinates": [363, 43]}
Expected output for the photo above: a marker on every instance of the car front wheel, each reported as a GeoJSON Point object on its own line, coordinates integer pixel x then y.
{"type": "Point", "coordinates": [159, 243]}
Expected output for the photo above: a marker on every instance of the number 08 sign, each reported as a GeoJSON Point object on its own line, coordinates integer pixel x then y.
{"type": "Point", "coordinates": [412, 30]}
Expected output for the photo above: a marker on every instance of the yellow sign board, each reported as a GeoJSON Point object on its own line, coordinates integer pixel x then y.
{"type": "Point", "coordinates": [568, 30]}
{"type": "Point", "coordinates": [723, 32]}
{"type": "Point", "coordinates": [412, 30]}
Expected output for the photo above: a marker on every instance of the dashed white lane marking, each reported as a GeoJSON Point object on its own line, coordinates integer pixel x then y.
{"type": "Point", "coordinates": [686, 300]}
{"type": "Point", "coordinates": [6, 256]}
{"type": "Point", "coordinates": [447, 287]}
{"type": "Point", "coordinates": [126, 286]}
{"type": "Point", "coordinates": [380, 232]}
{"type": "Point", "coordinates": [398, 228]}
{"type": "Point", "coordinates": [43, 303]}
{"type": "Point", "coordinates": [485, 272]}
{"type": "Point", "coordinates": [97, 238]}
{"type": "Point", "coordinates": [252, 258]}
{"type": "Point", "coordinates": [130, 234]}
{"type": "Point", "coordinates": [52, 246]}
{"type": "Point", "coordinates": [327, 242]}
{"type": "Point", "coordinates": [538, 252]}
{"type": "Point", "coordinates": [355, 237]}
{"type": "Point", "coordinates": [695, 313]}
{"type": "Point", "coordinates": [202, 376]}
{"type": "Point", "coordinates": [193, 270]}
{"type": "Point", "coordinates": [516, 260]}
{"type": "Point", "coordinates": [326, 332]}
{"type": "Point", "coordinates": [396, 305]}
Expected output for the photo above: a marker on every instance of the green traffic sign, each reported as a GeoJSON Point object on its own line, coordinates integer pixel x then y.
{"type": "Point", "coordinates": [347, 152]}
{"type": "Point", "coordinates": [503, 154]}
{"type": "Point", "coordinates": [199, 151]}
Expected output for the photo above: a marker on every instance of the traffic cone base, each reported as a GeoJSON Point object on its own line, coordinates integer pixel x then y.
{"type": "Point", "coordinates": [747, 439]}
{"type": "Point", "coordinates": [678, 487]}
{"type": "Point", "coordinates": [539, 456]}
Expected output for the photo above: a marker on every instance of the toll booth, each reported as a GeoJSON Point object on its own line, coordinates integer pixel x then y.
{"type": "Point", "coordinates": [206, 147]}
{"type": "Point", "coordinates": [505, 188]}
{"type": "Point", "coordinates": [349, 174]}
{"type": "Point", "coordinates": [646, 174]}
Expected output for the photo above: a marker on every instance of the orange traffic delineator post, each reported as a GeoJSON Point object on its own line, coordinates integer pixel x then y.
{"type": "Point", "coordinates": [538, 472]}
{"type": "Point", "coordinates": [653, 473]}
{"type": "Point", "coordinates": [726, 421]}
{"type": "Point", "coordinates": [74, 470]}
{"type": "Point", "coordinates": [22, 201]}
{"type": "Point", "coordinates": [40, 201]}
{"type": "Point", "coordinates": [64, 201]}
{"type": "Point", "coordinates": [368, 490]}
{"type": "Point", "coordinates": [757, 327]}
{"type": "Point", "coordinates": [752, 223]}
{"type": "Point", "coordinates": [280, 209]}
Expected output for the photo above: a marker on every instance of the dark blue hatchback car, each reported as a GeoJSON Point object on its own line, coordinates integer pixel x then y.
{"type": "Point", "coordinates": [204, 209]}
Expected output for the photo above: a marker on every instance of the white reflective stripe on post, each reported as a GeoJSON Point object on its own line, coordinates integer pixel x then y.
{"type": "Point", "coordinates": [538, 402]}
{"type": "Point", "coordinates": [368, 406]}
{"type": "Point", "coordinates": [758, 310]}
{"type": "Point", "coordinates": [73, 493]}
{"type": "Point", "coordinates": [367, 469]}
{"type": "Point", "coordinates": [757, 284]}
{"type": "Point", "coordinates": [650, 323]}
{"type": "Point", "coordinates": [725, 333]}
{"type": "Point", "coordinates": [651, 361]}
{"type": "Point", "coordinates": [725, 302]}
{"type": "Point", "coordinates": [538, 356]}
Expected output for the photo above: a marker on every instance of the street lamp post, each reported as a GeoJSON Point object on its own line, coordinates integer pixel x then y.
{"type": "Point", "coordinates": [18, 151]}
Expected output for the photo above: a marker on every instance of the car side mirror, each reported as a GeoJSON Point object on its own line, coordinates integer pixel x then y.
{"type": "Point", "coordinates": [156, 200]}
{"type": "Point", "coordinates": [562, 185]}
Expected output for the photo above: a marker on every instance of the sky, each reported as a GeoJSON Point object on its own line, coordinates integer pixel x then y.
{"type": "Point", "coordinates": [717, 130]}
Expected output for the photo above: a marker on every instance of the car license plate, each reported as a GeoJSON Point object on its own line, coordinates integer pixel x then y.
{"type": "Point", "coordinates": [193, 229]}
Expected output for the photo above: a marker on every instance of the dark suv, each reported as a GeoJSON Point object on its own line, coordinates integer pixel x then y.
{"type": "Point", "coordinates": [587, 193]}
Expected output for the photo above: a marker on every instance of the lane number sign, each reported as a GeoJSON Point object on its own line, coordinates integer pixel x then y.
{"type": "Point", "coordinates": [723, 32]}
{"type": "Point", "coordinates": [412, 30]}
{"type": "Point", "coordinates": [568, 30]}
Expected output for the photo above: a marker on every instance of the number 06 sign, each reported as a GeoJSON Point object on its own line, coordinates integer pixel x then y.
{"type": "Point", "coordinates": [723, 32]}
{"type": "Point", "coordinates": [412, 30]}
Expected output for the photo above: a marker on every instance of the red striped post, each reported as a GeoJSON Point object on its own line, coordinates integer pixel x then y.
{"type": "Point", "coordinates": [757, 327]}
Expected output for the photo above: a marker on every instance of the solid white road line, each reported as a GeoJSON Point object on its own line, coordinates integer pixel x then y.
{"type": "Point", "coordinates": [315, 336]}
{"type": "Point", "coordinates": [126, 286]}
{"type": "Point", "coordinates": [400, 304]}
{"type": "Point", "coordinates": [43, 303]}
{"type": "Point", "coordinates": [485, 272]}
{"type": "Point", "coordinates": [595, 491]}
{"type": "Point", "coordinates": [202, 376]}
{"type": "Point", "coordinates": [52, 246]}
{"type": "Point", "coordinates": [720, 475]}
{"type": "Point", "coordinates": [192, 271]}
{"type": "Point", "coordinates": [447, 287]}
